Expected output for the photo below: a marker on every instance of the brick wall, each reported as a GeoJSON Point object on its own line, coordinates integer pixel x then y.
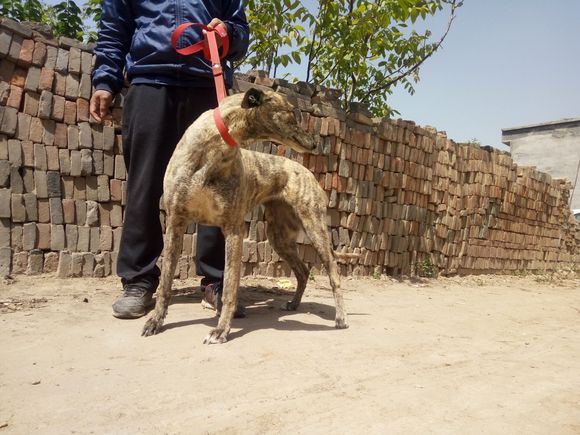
{"type": "Point", "coordinates": [405, 197]}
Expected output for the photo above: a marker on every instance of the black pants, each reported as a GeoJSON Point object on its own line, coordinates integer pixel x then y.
{"type": "Point", "coordinates": [154, 119]}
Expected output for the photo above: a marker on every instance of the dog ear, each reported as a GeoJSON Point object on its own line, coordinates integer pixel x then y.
{"type": "Point", "coordinates": [253, 98]}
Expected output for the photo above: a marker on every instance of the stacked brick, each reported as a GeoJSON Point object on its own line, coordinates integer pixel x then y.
{"type": "Point", "coordinates": [400, 195]}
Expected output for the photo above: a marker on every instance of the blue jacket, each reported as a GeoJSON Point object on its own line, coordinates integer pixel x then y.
{"type": "Point", "coordinates": [135, 36]}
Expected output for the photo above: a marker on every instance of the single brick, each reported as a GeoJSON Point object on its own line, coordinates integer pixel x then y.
{"type": "Point", "coordinates": [40, 160]}
{"type": "Point", "coordinates": [27, 153]}
{"type": "Point", "coordinates": [60, 135]}
{"type": "Point", "coordinates": [5, 262]}
{"type": "Point", "coordinates": [56, 213]}
{"type": "Point", "coordinates": [59, 84]}
{"type": "Point", "coordinates": [84, 239]}
{"type": "Point", "coordinates": [43, 210]}
{"type": "Point", "coordinates": [27, 179]}
{"type": "Point", "coordinates": [95, 239]}
{"type": "Point", "coordinates": [67, 186]}
{"type": "Point", "coordinates": [108, 164]}
{"type": "Point", "coordinates": [5, 233]}
{"type": "Point", "coordinates": [57, 108]}
{"type": "Point", "coordinates": [26, 51]}
{"type": "Point", "coordinates": [39, 54]}
{"type": "Point", "coordinates": [16, 182]}
{"type": "Point", "coordinates": [51, 56]}
{"type": "Point", "coordinates": [4, 93]}
{"type": "Point", "coordinates": [73, 137]}
{"type": "Point", "coordinates": [98, 138]}
{"type": "Point", "coordinates": [86, 162]}
{"type": "Point", "coordinates": [64, 161]}
{"type": "Point", "coordinates": [98, 168]}
{"type": "Point", "coordinates": [82, 110]}
{"type": "Point", "coordinates": [3, 146]}
{"type": "Point", "coordinates": [15, 47]}
{"type": "Point", "coordinates": [85, 135]}
{"type": "Point", "coordinates": [62, 61]}
{"type": "Point", "coordinates": [32, 79]}
{"type": "Point", "coordinates": [40, 183]}
{"type": "Point", "coordinates": [46, 79]}
{"type": "Point", "coordinates": [23, 126]}
{"type": "Point", "coordinates": [104, 213]}
{"type": "Point", "coordinates": [74, 60]}
{"type": "Point", "coordinates": [52, 158]}
{"type": "Point", "coordinates": [4, 173]}
{"type": "Point", "coordinates": [64, 264]}
{"type": "Point", "coordinates": [115, 189]}
{"type": "Point", "coordinates": [9, 121]}
{"type": "Point", "coordinates": [5, 40]}
{"type": "Point", "coordinates": [116, 215]}
{"type": "Point", "coordinates": [70, 112]}
{"type": "Point", "coordinates": [29, 236]}
{"type": "Point", "coordinates": [72, 237]}
{"type": "Point", "coordinates": [106, 239]}
{"type": "Point", "coordinates": [35, 262]}
{"type": "Point", "coordinates": [31, 102]}
{"type": "Point", "coordinates": [36, 130]}
{"type": "Point", "coordinates": [92, 214]}
{"type": "Point", "coordinates": [68, 210]}
{"type": "Point", "coordinates": [108, 138]}
{"type": "Point", "coordinates": [45, 105]}
{"type": "Point", "coordinates": [50, 262]}
{"type": "Point", "coordinates": [14, 97]}
{"type": "Point", "coordinates": [31, 205]}
{"type": "Point", "coordinates": [77, 264]}
{"type": "Point", "coordinates": [57, 239]}
{"type": "Point", "coordinates": [88, 264]}
{"type": "Point", "coordinates": [86, 62]}
{"type": "Point", "coordinates": [53, 184]}
{"type": "Point", "coordinates": [16, 237]}
{"type": "Point", "coordinates": [15, 152]}
{"type": "Point", "coordinates": [5, 203]}
{"type": "Point", "coordinates": [85, 87]}
{"type": "Point", "coordinates": [48, 128]}
{"type": "Point", "coordinates": [18, 77]}
{"type": "Point", "coordinates": [81, 212]}
{"type": "Point", "coordinates": [18, 209]}
{"type": "Point", "coordinates": [6, 70]}
{"type": "Point", "coordinates": [92, 188]}
{"type": "Point", "coordinates": [75, 163]}
{"type": "Point", "coordinates": [120, 172]}
{"type": "Point", "coordinates": [71, 86]}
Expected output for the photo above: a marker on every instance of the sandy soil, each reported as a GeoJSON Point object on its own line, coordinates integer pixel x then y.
{"type": "Point", "coordinates": [479, 355]}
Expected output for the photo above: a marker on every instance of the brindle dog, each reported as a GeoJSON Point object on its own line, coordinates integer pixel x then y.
{"type": "Point", "coordinates": [211, 183]}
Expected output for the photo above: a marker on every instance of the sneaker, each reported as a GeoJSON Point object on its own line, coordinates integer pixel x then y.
{"type": "Point", "coordinates": [212, 300]}
{"type": "Point", "coordinates": [133, 303]}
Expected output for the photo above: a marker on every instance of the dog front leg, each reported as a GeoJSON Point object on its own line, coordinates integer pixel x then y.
{"type": "Point", "coordinates": [232, 274]}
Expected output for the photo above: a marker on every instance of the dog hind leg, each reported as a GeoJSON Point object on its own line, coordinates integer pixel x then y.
{"type": "Point", "coordinates": [314, 223]}
{"type": "Point", "coordinates": [172, 251]}
{"type": "Point", "coordinates": [282, 231]}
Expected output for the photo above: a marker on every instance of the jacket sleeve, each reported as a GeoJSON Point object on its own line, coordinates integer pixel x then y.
{"type": "Point", "coordinates": [114, 41]}
{"type": "Point", "coordinates": [238, 28]}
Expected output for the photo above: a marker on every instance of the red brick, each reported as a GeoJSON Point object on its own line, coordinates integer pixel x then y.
{"type": "Point", "coordinates": [31, 103]}
{"type": "Point", "coordinates": [43, 210]}
{"type": "Point", "coordinates": [59, 86]}
{"type": "Point", "coordinates": [43, 239]}
{"type": "Point", "coordinates": [57, 107]}
{"type": "Point", "coordinates": [52, 159]}
{"type": "Point", "coordinates": [60, 135]}
{"type": "Point", "coordinates": [116, 190]}
{"type": "Point", "coordinates": [68, 208]}
{"type": "Point", "coordinates": [46, 79]}
{"type": "Point", "coordinates": [70, 112]}
{"type": "Point", "coordinates": [39, 54]}
{"type": "Point", "coordinates": [19, 77]}
{"type": "Point", "coordinates": [26, 50]}
{"type": "Point", "coordinates": [82, 110]}
{"type": "Point", "coordinates": [15, 97]}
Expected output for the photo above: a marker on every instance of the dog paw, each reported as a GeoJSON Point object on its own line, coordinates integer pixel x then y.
{"type": "Point", "coordinates": [340, 324]}
{"type": "Point", "coordinates": [289, 306]}
{"type": "Point", "coordinates": [152, 327]}
{"type": "Point", "coordinates": [216, 336]}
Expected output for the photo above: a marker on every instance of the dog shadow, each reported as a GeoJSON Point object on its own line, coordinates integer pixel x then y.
{"type": "Point", "coordinates": [263, 311]}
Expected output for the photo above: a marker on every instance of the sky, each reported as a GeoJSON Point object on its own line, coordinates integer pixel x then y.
{"type": "Point", "coordinates": [505, 63]}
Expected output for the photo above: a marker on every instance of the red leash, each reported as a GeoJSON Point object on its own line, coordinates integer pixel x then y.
{"type": "Point", "coordinates": [210, 50]}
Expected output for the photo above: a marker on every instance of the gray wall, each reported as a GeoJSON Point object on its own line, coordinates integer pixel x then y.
{"type": "Point", "coordinates": [553, 148]}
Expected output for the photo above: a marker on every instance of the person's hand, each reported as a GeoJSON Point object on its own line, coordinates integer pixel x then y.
{"type": "Point", "coordinates": [99, 105]}
{"type": "Point", "coordinates": [215, 22]}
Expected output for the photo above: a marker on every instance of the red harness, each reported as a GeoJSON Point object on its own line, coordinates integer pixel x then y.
{"type": "Point", "coordinates": [210, 50]}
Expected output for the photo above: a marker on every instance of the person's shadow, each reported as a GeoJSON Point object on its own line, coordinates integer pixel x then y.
{"type": "Point", "coordinates": [263, 311]}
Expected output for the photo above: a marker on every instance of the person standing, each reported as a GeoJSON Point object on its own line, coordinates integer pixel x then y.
{"type": "Point", "coordinates": [167, 93]}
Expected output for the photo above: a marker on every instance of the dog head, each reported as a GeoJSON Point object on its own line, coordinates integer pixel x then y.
{"type": "Point", "coordinates": [270, 116]}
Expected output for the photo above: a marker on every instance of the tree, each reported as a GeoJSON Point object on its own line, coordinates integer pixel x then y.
{"type": "Point", "coordinates": [357, 46]}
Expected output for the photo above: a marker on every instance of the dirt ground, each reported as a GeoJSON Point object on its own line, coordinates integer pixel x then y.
{"type": "Point", "coordinates": [475, 355]}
